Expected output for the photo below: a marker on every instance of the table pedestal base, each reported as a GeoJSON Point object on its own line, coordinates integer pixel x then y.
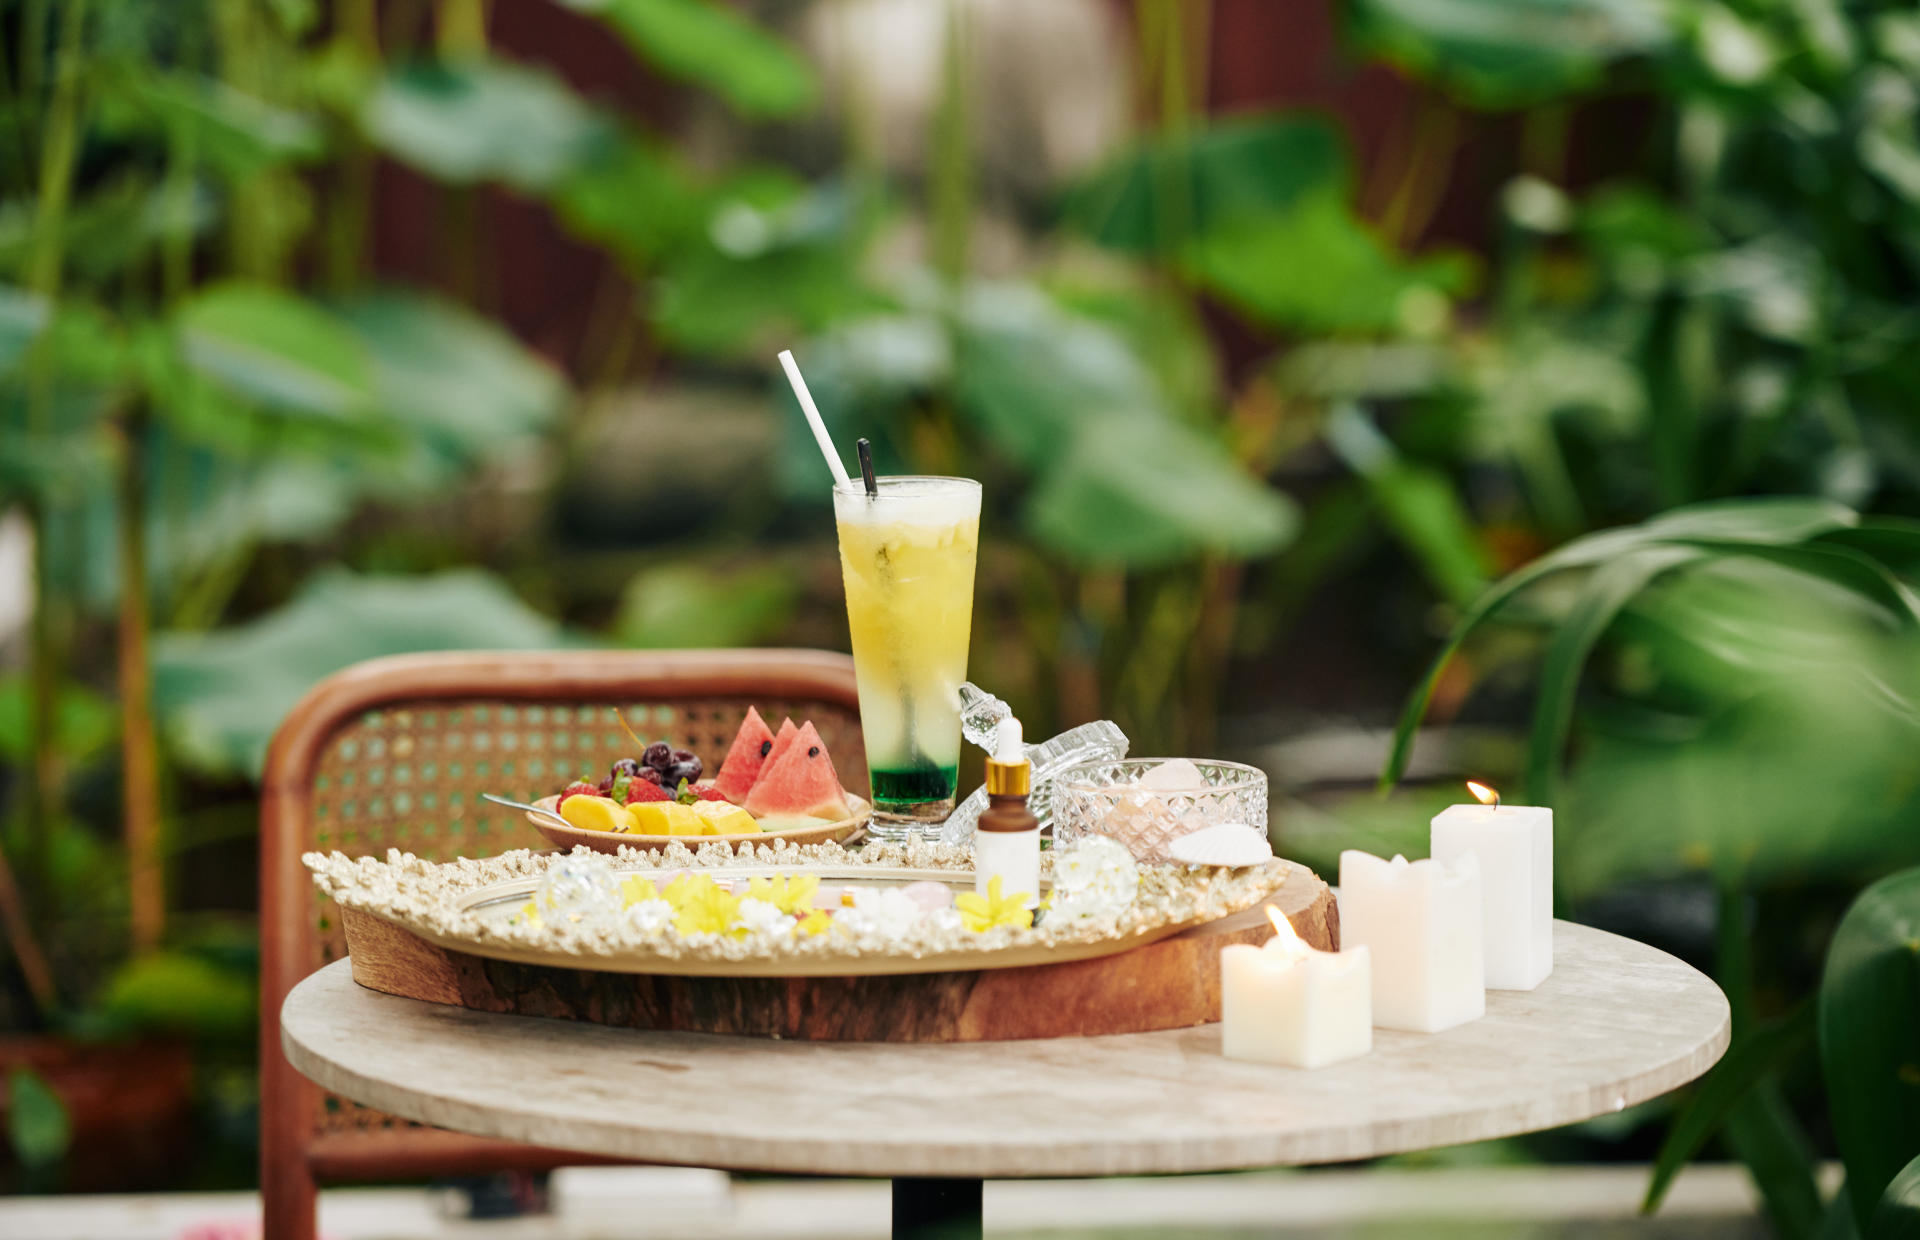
{"type": "Point", "coordinates": [936, 1209]}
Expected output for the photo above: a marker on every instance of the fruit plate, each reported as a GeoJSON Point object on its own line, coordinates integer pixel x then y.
{"type": "Point", "coordinates": [470, 906]}
{"type": "Point", "coordinates": [610, 842]}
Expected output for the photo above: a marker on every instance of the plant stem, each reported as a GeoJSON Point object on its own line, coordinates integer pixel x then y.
{"type": "Point", "coordinates": [140, 778]}
{"type": "Point", "coordinates": [462, 28]}
{"type": "Point", "coordinates": [352, 198]}
{"type": "Point", "coordinates": [950, 179]}
{"type": "Point", "coordinates": [46, 775]}
{"type": "Point", "coordinates": [27, 952]}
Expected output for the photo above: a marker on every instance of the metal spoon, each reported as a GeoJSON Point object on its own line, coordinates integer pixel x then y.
{"type": "Point", "coordinates": [541, 810]}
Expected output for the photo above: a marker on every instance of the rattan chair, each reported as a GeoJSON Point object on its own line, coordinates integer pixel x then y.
{"type": "Point", "coordinates": [395, 753]}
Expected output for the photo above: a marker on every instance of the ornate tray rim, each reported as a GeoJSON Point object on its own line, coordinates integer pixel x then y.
{"type": "Point", "coordinates": [436, 902]}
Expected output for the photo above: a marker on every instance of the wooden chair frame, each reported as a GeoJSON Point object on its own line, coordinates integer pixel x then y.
{"type": "Point", "coordinates": [294, 1157]}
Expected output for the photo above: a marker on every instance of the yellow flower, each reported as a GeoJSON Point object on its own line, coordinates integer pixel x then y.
{"type": "Point", "coordinates": [985, 912]}
{"type": "Point", "coordinates": [634, 890]}
{"type": "Point", "coordinates": [701, 906]}
{"type": "Point", "coordinates": [816, 921]}
{"type": "Point", "coordinates": [790, 893]}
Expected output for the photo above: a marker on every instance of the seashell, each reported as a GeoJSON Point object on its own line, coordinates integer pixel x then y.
{"type": "Point", "coordinates": [1228, 843]}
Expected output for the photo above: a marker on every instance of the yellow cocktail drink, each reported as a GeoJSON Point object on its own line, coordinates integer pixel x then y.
{"type": "Point", "coordinates": [907, 557]}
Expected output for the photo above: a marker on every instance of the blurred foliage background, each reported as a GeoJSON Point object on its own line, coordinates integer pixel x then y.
{"type": "Point", "coordinates": [1572, 340]}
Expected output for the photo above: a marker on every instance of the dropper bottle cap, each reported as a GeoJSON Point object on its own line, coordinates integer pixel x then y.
{"type": "Point", "coordinates": [1008, 771]}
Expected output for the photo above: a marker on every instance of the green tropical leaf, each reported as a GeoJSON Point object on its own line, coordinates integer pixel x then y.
{"type": "Point", "coordinates": [1765, 1135]}
{"type": "Point", "coordinates": [1316, 267]}
{"type": "Point", "coordinates": [222, 694]}
{"type": "Point", "coordinates": [232, 132]}
{"type": "Point", "coordinates": [714, 47]}
{"type": "Point", "coordinates": [485, 120]}
{"type": "Point", "coordinates": [38, 1126]}
{"type": "Point", "coordinates": [1138, 492]}
{"type": "Point", "coordinates": [1870, 1036]}
{"type": "Point", "coordinates": [682, 605]}
{"type": "Point", "coordinates": [1605, 592]}
{"type": "Point", "coordinates": [1754, 1057]}
{"type": "Point", "coordinates": [1897, 1217]}
{"type": "Point", "coordinates": [272, 347]}
{"type": "Point", "coordinates": [451, 376]}
{"type": "Point", "coordinates": [22, 317]}
{"type": "Point", "coordinates": [1419, 504]}
{"type": "Point", "coordinates": [1168, 190]}
{"type": "Point", "coordinates": [637, 200]}
{"type": "Point", "coordinates": [181, 992]}
{"type": "Point", "coordinates": [86, 722]}
{"type": "Point", "coordinates": [1506, 53]}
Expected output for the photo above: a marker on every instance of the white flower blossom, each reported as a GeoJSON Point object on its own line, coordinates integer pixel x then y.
{"type": "Point", "coordinates": [1093, 877]}
{"type": "Point", "coordinates": [763, 917]}
{"type": "Point", "coordinates": [886, 911]}
{"type": "Point", "coordinates": [650, 916]}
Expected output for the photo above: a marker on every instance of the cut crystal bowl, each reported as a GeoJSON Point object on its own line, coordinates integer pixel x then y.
{"type": "Point", "coordinates": [1105, 798]}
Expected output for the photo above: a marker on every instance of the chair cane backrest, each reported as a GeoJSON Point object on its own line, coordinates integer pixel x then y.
{"type": "Point", "coordinates": [395, 754]}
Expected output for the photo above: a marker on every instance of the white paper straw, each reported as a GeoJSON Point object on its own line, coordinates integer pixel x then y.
{"type": "Point", "coordinates": [813, 418]}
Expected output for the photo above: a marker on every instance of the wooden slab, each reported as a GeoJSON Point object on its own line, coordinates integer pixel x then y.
{"type": "Point", "coordinates": [1169, 984]}
{"type": "Point", "coordinates": [1617, 1023]}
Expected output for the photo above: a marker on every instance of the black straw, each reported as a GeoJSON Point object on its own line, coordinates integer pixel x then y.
{"type": "Point", "coordinates": [866, 468]}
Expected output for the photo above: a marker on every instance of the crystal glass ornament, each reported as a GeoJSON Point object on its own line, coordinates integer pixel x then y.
{"type": "Point", "coordinates": [577, 890]}
{"type": "Point", "coordinates": [1106, 798]}
{"type": "Point", "coordinates": [980, 716]}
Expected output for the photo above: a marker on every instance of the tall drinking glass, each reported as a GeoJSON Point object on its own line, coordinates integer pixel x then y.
{"type": "Point", "coordinates": [907, 557]}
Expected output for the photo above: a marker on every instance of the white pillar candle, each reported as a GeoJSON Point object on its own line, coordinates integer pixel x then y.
{"type": "Point", "coordinates": [1286, 1002]}
{"type": "Point", "coordinates": [1514, 846]}
{"type": "Point", "coordinates": [1421, 921]}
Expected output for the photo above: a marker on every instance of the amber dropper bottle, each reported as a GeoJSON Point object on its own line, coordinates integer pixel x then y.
{"type": "Point", "coordinates": [1006, 842]}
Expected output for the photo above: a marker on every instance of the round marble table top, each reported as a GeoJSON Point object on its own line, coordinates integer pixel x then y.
{"type": "Point", "coordinates": [1617, 1022]}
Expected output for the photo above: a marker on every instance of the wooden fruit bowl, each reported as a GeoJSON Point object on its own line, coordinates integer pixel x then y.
{"type": "Point", "coordinates": [611, 842]}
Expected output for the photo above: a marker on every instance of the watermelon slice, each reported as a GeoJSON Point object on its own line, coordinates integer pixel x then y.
{"type": "Point", "coordinates": [746, 759]}
{"type": "Point", "coordinates": [800, 780]}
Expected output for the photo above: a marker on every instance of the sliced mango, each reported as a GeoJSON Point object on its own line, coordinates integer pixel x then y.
{"type": "Point", "coordinates": [597, 814]}
{"type": "Point", "coordinates": [721, 818]}
{"type": "Point", "coordinates": [666, 818]}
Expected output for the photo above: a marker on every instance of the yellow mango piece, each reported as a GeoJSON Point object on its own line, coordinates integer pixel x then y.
{"type": "Point", "coordinates": [722, 818]}
{"type": "Point", "coordinates": [597, 814]}
{"type": "Point", "coordinates": [665, 818]}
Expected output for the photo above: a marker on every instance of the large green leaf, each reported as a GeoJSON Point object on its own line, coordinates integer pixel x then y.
{"type": "Point", "coordinates": [1138, 492]}
{"type": "Point", "coordinates": [269, 346]}
{"type": "Point", "coordinates": [712, 46]}
{"type": "Point", "coordinates": [682, 605]}
{"type": "Point", "coordinates": [1754, 1057]}
{"type": "Point", "coordinates": [1608, 589]}
{"type": "Point", "coordinates": [454, 377]}
{"type": "Point", "coordinates": [1774, 522]}
{"type": "Point", "coordinates": [484, 120]}
{"type": "Point", "coordinates": [22, 316]}
{"type": "Point", "coordinates": [222, 694]}
{"type": "Point", "coordinates": [85, 721]}
{"type": "Point", "coordinates": [1318, 268]}
{"type": "Point", "coordinates": [1168, 190]}
{"type": "Point", "coordinates": [181, 992]}
{"type": "Point", "coordinates": [637, 200]}
{"type": "Point", "coordinates": [1897, 1217]}
{"type": "Point", "coordinates": [1418, 503]}
{"type": "Point", "coordinates": [1870, 1036]}
{"type": "Point", "coordinates": [38, 1126]}
{"type": "Point", "coordinates": [1764, 1134]}
{"type": "Point", "coordinates": [234, 133]}
{"type": "Point", "coordinates": [1505, 53]}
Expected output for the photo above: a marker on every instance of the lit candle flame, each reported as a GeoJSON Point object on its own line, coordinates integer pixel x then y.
{"type": "Point", "coordinates": [1285, 938]}
{"type": "Point", "coordinates": [1484, 794]}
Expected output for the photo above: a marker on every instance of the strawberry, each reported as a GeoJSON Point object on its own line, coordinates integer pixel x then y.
{"type": "Point", "coordinates": [639, 790]}
{"type": "Point", "coordinates": [578, 788]}
{"type": "Point", "coordinates": [707, 792]}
